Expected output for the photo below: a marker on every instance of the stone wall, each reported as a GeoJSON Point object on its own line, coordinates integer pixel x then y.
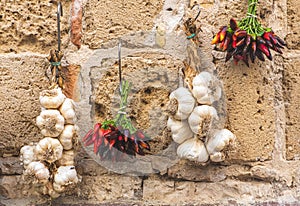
{"type": "Point", "coordinates": [262, 167]}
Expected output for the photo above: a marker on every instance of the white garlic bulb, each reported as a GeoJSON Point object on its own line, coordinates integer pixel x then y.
{"type": "Point", "coordinates": [39, 171]}
{"type": "Point", "coordinates": [194, 150]}
{"type": "Point", "coordinates": [67, 111]}
{"type": "Point", "coordinates": [48, 149]}
{"type": "Point", "coordinates": [67, 158]}
{"type": "Point", "coordinates": [180, 130]}
{"type": "Point", "coordinates": [65, 175]}
{"type": "Point", "coordinates": [206, 88]}
{"type": "Point", "coordinates": [50, 122]}
{"type": "Point", "coordinates": [202, 118]}
{"type": "Point", "coordinates": [181, 104]}
{"type": "Point", "coordinates": [218, 142]}
{"type": "Point", "coordinates": [67, 135]}
{"type": "Point", "coordinates": [27, 155]}
{"type": "Point", "coordinates": [52, 99]}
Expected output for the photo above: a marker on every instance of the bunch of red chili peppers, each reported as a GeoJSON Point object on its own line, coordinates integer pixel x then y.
{"type": "Point", "coordinates": [247, 39]}
{"type": "Point", "coordinates": [113, 142]}
{"type": "Point", "coordinates": [114, 139]}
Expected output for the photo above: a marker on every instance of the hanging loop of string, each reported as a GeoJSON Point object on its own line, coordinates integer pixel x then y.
{"type": "Point", "coordinates": [199, 11]}
{"type": "Point", "coordinates": [55, 56]}
{"type": "Point", "coordinates": [59, 14]}
{"type": "Point", "coordinates": [120, 66]}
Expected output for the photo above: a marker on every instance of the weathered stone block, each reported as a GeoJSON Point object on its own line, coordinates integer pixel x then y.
{"type": "Point", "coordinates": [293, 37]}
{"type": "Point", "coordinates": [110, 187]}
{"type": "Point", "coordinates": [10, 166]}
{"type": "Point", "coordinates": [31, 25]}
{"type": "Point", "coordinates": [106, 20]}
{"type": "Point", "coordinates": [228, 192]}
{"type": "Point", "coordinates": [10, 187]}
{"type": "Point", "coordinates": [22, 77]}
{"type": "Point", "coordinates": [291, 80]}
{"type": "Point", "coordinates": [250, 109]}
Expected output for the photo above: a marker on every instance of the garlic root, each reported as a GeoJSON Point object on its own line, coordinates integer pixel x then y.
{"type": "Point", "coordinates": [202, 118]}
{"type": "Point", "coordinates": [50, 122]}
{"type": "Point", "coordinates": [52, 99]}
{"type": "Point", "coordinates": [65, 176]}
{"type": "Point", "coordinates": [38, 171]}
{"type": "Point", "coordinates": [48, 149]}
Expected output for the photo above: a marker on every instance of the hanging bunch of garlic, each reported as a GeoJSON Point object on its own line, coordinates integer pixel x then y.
{"type": "Point", "coordinates": [194, 121]}
{"type": "Point", "coordinates": [50, 162]}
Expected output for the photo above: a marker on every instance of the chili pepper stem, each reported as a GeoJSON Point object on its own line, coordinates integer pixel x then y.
{"type": "Point", "coordinates": [121, 118]}
{"type": "Point", "coordinates": [250, 22]}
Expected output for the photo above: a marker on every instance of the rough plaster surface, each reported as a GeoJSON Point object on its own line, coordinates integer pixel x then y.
{"type": "Point", "coordinates": [293, 37]}
{"type": "Point", "coordinates": [262, 167]}
{"type": "Point", "coordinates": [31, 26]}
{"type": "Point", "coordinates": [22, 77]}
{"type": "Point", "coordinates": [250, 94]}
{"type": "Point", "coordinates": [106, 20]}
{"type": "Point", "coordinates": [292, 97]}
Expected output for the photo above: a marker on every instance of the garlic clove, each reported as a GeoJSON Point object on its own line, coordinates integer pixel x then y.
{"type": "Point", "coordinates": [64, 176]}
{"type": "Point", "coordinates": [67, 135]}
{"type": "Point", "coordinates": [67, 158]}
{"type": "Point", "coordinates": [180, 130]}
{"type": "Point", "coordinates": [39, 171]}
{"type": "Point", "coordinates": [27, 155]}
{"type": "Point", "coordinates": [67, 111]}
{"type": "Point", "coordinates": [217, 157]}
{"type": "Point", "coordinates": [181, 104]}
{"type": "Point", "coordinates": [202, 118]}
{"type": "Point", "coordinates": [50, 122]}
{"type": "Point", "coordinates": [206, 88]}
{"type": "Point", "coordinates": [194, 150]}
{"type": "Point", "coordinates": [218, 142]}
{"type": "Point", "coordinates": [52, 99]}
{"type": "Point", "coordinates": [48, 149]}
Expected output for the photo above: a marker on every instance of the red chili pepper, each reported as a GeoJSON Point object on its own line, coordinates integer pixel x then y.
{"type": "Point", "coordinates": [88, 135]}
{"type": "Point", "coordinates": [223, 33]}
{"type": "Point", "coordinates": [226, 42]}
{"type": "Point", "coordinates": [88, 143]}
{"type": "Point", "coordinates": [96, 132]}
{"type": "Point", "coordinates": [234, 44]}
{"type": "Point", "coordinates": [216, 39]}
{"type": "Point", "coordinates": [241, 42]}
{"type": "Point", "coordinates": [253, 46]}
{"type": "Point", "coordinates": [111, 143]}
{"type": "Point", "coordinates": [140, 134]}
{"type": "Point", "coordinates": [144, 145]}
{"type": "Point", "coordinates": [240, 33]}
{"type": "Point", "coordinates": [264, 49]}
{"type": "Point", "coordinates": [96, 146]}
{"type": "Point", "coordinates": [105, 142]}
{"type": "Point", "coordinates": [267, 35]}
{"type": "Point", "coordinates": [233, 24]}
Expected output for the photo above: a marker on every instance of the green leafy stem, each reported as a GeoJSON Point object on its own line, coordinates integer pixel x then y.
{"type": "Point", "coordinates": [121, 118]}
{"type": "Point", "coordinates": [250, 22]}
